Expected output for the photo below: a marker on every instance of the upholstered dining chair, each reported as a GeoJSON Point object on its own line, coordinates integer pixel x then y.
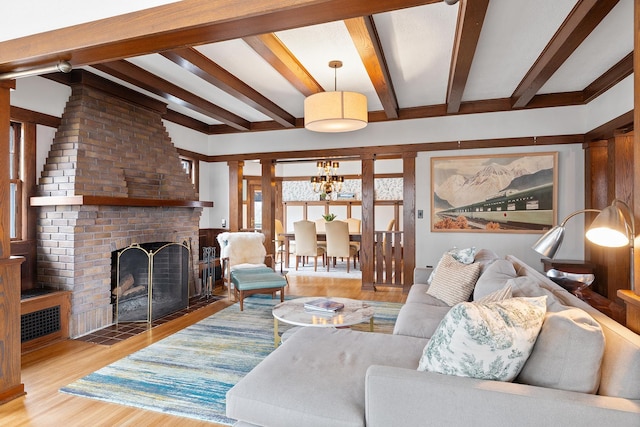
{"type": "Point", "coordinates": [279, 243]}
{"type": "Point", "coordinates": [355, 227]}
{"type": "Point", "coordinates": [338, 243]}
{"type": "Point", "coordinates": [307, 242]}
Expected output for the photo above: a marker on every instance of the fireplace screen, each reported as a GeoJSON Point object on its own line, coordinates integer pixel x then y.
{"type": "Point", "coordinates": [150, 281]}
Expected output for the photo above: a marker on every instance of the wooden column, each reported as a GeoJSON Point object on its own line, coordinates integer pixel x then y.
{"type": "Point", "coordinates": [268, 205]}
{"type": "Point", "coordinates": [632, 298]}
{"type": "Point", "coordinates": [409, 218]}
{"type": "Point", "coordinates": [367, 260]}
{"type": "Point", "coordinates": [10, 382]}
{"type": "Point", "coordinates": [636, 138]}
{"type": "Point", "coordinates": [235, 195]}
{"type": "Point", "coordinates": [596, 158]}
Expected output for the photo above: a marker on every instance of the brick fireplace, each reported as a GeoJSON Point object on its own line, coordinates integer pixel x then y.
{"type": "Point", "coordinates": [112, 178]}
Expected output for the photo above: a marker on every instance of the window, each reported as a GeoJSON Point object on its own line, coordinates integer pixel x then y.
{"type": "Point", "coordinates": [191, 168]}
{"type": "Point", "coordinates": [15, 181]}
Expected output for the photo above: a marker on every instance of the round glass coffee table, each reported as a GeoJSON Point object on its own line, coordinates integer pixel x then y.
{"type": "Point", "coordinates": [293, 312]}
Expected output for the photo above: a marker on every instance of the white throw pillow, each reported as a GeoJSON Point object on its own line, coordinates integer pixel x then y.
{"type": "Point", "coordinates": [454, 282]}
{"type": "Point", "coordinates": [487, 341]}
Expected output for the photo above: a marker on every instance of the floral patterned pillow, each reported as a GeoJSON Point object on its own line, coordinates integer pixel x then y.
{"type": "Point", "coordinates": [488, 341]}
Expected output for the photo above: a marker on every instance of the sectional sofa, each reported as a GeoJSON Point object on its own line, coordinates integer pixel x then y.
{"type": "Point", "coordinates": [584, 368]}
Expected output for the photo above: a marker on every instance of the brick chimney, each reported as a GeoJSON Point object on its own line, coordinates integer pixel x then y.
{"type": "Point", "coordinates": [112, 178]}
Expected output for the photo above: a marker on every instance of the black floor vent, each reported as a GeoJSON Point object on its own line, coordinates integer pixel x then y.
{"type": "Point", "coordinates": [40, 323]}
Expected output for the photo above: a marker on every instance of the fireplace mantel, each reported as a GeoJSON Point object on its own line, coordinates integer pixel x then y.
{"type": "Point", "coordinates": [115, 201]}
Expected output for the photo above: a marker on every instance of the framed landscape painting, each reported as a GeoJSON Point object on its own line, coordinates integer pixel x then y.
{"type": "Point", "coordinates": [509, 193]}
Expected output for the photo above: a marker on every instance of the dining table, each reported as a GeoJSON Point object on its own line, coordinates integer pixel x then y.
{"type": "Point", "coordinates": [322, 237]}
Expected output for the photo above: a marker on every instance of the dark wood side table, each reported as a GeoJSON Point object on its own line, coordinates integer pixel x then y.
{"type": "Point", "coordinates": [610, 308]}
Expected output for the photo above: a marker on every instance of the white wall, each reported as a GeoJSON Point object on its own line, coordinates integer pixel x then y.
{"type": "Point", "coordinates": [188, 139]}
{"type": "Point", "coordinates": [430, 246]}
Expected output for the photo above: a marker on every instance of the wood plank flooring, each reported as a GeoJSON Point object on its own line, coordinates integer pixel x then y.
{"type": "Point", "coordinates": [44, 371]}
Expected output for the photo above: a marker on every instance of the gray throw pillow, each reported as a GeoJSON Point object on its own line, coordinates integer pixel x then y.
{"type": "Point", "coordinates": [567, 354]}
{"type": "Point", "coordinates": [495, 277]}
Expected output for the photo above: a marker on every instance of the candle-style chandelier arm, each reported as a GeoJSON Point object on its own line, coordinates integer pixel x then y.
{"type": "Point", "coordinates": [327, 179]}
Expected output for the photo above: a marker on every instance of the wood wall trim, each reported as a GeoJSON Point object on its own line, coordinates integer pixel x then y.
{"type": "Point", "coordinates": [116, 201]}
{"type": "Point", "coordinates": [385, 150]}
{"type": "Point", "coordinates": [607, 130]}
{"type": "Point", "coordinates": [29, 116]}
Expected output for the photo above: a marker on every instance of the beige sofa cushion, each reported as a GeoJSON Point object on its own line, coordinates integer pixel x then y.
{"type": "Point", "coordinates": [567, 354]}
{"type": "Point", "coordinates": [494, 277]}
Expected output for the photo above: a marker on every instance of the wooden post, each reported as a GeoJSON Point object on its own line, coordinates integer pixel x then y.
{"type": "Point", "coordinates": [409, 219]}
{"type": "Point", "coordinates": [268, 205]}
{"type": "Point", "coordinates": [367, 260]}
{"type": "Point", "coordinates": [235, 195]}
{"type": "Point", "coordinates": [632, 298]}
{"type": "Point", "coordinates": [10, 350]}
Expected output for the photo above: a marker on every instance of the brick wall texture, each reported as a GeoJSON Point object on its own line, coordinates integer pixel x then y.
{"type": "Point", "coordinates": [107, 146]}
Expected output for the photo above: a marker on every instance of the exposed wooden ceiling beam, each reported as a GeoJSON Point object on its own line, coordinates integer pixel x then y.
{"type": "Point", "coordinates": [469, 25]}
{"type": "Point", "coordinates": [198, 64]}
{"type": "Point", "coordinates": [282, 60]}
{"type": "Point", "coordinates": [612, 77]}
{"type": "Point", "coordinates": [365, 38]}
{"type": "Point", "coordinates": [180, 24]}
{"type": "Point", "coordinates": [143, 79]}
{"type": "Point", "coordinates": [188, 122]}
{"type": "Point", "coordinates": [584, 17]}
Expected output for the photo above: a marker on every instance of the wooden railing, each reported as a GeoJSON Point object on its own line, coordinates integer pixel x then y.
{"type": "Point", "coordinates": [388, 258]}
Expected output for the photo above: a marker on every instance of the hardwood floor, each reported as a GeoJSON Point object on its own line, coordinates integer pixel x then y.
{"type": "Point", "coordinates": [44, 371]}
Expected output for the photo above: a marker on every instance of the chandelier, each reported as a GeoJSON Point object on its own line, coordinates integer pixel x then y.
{"type": "Point", "coordinates": [327, 179]}
{"type": "Point", "coordinates": [336, 111]}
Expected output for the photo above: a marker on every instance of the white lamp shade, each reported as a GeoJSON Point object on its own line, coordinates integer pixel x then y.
{"type": "Point", "coordinates": [335, 111]}
{"type": "Point", "coordinates": [609, 229]}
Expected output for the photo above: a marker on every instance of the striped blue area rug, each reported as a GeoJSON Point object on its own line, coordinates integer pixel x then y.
{"type": "Point", "coordinates": [188, 373]}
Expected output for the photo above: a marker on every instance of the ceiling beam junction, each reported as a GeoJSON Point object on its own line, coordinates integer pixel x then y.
{"type": "Point", "coordinates": [584, 18]}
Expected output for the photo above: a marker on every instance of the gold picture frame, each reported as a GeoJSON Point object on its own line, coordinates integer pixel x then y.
{"type": "Point", "coordinates": [506, 193]}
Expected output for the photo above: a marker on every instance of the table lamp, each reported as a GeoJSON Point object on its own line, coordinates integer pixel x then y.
{"type": "Point", "coordinates": [614, 227]}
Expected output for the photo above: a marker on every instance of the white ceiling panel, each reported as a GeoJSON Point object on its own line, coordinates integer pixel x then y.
{"type": "Point", "coordinates": [242, 61]}
{"type": "Point", "coordinates": [168, 70]}
{"type": "Point", "coordinates": [170, 104]}
{"type": "Point", "coordinates": [611, 41]}
{"type": "Point", "coordinates": [513, 35]}
{"type": "Point", "coordinates": [418, 43]}
{"type": "Point", "coordinates": [316, 45]}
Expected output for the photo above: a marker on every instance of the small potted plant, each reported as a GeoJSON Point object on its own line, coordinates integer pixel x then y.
{"type": "Point", "coordinates": [329, 217]}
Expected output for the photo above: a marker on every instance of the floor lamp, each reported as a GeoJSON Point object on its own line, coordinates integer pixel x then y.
{"type": "Point", "coordinates": [614, 227]}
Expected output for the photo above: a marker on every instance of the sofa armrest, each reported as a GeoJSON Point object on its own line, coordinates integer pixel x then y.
{"type": "Point", "coordinates": [402, 397]}
{"type": "Point", "coordinates": [421, 274]}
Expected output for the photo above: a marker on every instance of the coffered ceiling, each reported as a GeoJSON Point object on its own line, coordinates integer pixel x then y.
{"type": "Point", "coordinates": [410, 58]}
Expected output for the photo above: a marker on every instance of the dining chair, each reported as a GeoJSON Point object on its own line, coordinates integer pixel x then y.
{"type": "Point", "coordinates": [321, 229]}
{"type": "Point", "coordinates": [355, 227]}
{"type": "Point", "coordinates": [307, 242]}
{"type": "Point", "coordinates": [338, 243]}
{"type": "Point", "coordinates": [279, 243]}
